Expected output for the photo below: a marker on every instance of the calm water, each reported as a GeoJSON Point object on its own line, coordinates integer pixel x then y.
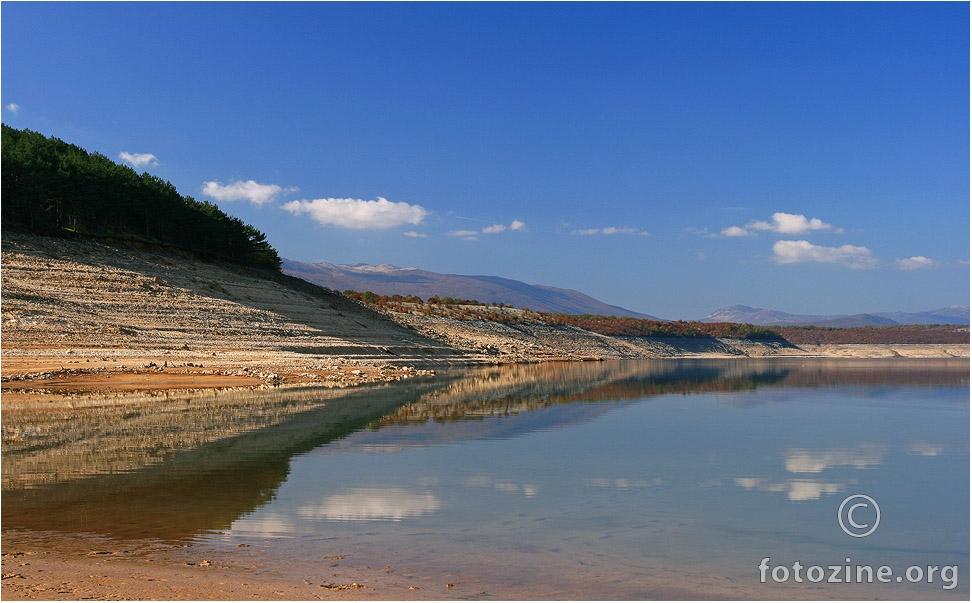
{"type": "Point", "coordinates": [610, 480]}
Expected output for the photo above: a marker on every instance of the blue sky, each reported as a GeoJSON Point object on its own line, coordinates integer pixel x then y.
{"type": "Point", "coordinates": [668, 158]}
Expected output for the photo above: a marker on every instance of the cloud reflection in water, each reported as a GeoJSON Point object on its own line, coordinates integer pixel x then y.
{"type": "Point", "coordinates": [372, 504]}
{"type": "Point", "coordinates": [804, 460]}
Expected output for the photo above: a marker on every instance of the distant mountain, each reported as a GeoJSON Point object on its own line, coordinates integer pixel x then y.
{"type": "Point", "coordinates": [390, 280]}
{"type": "Point", "coordinates": [943, 316]}
{"type": "Point", "coordinates": [766, 317]}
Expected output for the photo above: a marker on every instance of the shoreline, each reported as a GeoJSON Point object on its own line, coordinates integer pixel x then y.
{"type": "Point", "coordinates": [51, 373]}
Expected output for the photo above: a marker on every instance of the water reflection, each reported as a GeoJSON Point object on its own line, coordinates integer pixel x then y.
{"type": "Point", "coordinates": [368, 504]}
{"type": "Point", "coordinates": [802, 460]}
{"type": "Point", "coordinates": [796, 489]}
{"type": "Point", "coordinates": [171, 469]}
{"type": "Point", "coordinates": [174, 468]}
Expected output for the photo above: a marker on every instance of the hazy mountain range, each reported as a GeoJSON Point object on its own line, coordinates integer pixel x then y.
{"type": "Point", "coordinates": [767, 317]}
{"type": "Point", "coordinates": [389, 280]}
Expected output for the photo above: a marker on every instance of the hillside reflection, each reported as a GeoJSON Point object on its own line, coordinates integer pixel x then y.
{"type": "Point", "coordinates": [510, 390]}
{"type": "Point", "coordinates": [175, 467]}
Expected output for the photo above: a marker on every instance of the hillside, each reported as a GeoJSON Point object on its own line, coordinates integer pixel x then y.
{"type": "Point", "coordinates": [391, 280]}
{"type": "Point", "coordinates": [107, 317]}
{"type": "Point", "coordinates": [54, 188]}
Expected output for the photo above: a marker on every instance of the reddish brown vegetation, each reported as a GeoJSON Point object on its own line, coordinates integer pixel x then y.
{"type": "Point", "coordinates": [624, 326]}
{"type": "Point", "coordinates": [877, 335]}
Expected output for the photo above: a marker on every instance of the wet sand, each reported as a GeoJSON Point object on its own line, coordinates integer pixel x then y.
{"type": "Point", "coordinates": [39, 566]}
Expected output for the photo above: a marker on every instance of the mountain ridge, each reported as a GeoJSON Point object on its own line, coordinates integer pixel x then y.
{"type": "Point", "coordinates": [385, 279]}
{"type": "Point", "coordinates": [769, 317]}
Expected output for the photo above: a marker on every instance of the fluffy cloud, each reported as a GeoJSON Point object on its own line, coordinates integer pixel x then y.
{"type": "Point", "coordinates": [518, 225]}
{"type": "Point", "coordinates": [736, 231]}
{"type": "Point", "coordinates": [251, 191]}
{"type": "Point", "coordinates": [782, 223]}
{"type": "Point", "coordinates": [794, 252]}
{"type": "Point", "coordinates": [494, 229]}
{"type": "Point", "coordinates": [610, 230]}
{"type": "Point", "coordinates": [13, 108]}
{"type": "Point", "coordinates": [138, 159]}
{"type": "Point", "coordinates": [358, 214]}
{"type": "Point", "coordinates": [415, 235]}
{"type": "Point", "coordinates": [917, 262]}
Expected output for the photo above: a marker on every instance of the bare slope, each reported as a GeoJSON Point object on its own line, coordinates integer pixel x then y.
{"type": "Point", "coordinates": [98, 301]}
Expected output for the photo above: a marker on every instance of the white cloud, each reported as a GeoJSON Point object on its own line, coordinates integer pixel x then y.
{"type": "Point", "coordinates": [736, 231]}
{"type": "Point", "coordinates": [13, 108]}
{"type": "Point", "coordinates": [468, 235]}
{"type": "Point", "coordinates": [785, 223]}
{"type": "Point", "coordinates": [610, 230]}
{"type": "Point", "coordinates": [517, 225]}
{"type": "Point", "coordinates": [138, 159]}
{"type": "Point", "coordinates": [782, 223]}
{"type": "Point", "coordinates": [415, 235]}
{"type": "Point", "coordinates": [795, 252]}
{"type": "Point", "coordinates": [358, 214]}
{"type": "Point", "coordinates": [251, 191]}
{"type": "Point", "coordinates": [473, 235]}
{"type": "Point", "coordinates": [915, 263]}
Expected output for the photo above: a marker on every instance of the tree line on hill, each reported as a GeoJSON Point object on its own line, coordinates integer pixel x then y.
{"type": "Point", "coordinates": [51, 187]}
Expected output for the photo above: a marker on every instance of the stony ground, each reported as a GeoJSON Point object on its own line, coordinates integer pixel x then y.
{"type": "Point", "coordinates": [90, 316]}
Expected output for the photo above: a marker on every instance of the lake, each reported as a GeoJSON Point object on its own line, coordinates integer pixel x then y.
{"type": "Point", "coordinates": [618, 480]}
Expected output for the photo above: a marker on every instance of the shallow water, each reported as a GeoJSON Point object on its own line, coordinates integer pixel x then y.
{"type": "Point", "coordinates": [648, 479]}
